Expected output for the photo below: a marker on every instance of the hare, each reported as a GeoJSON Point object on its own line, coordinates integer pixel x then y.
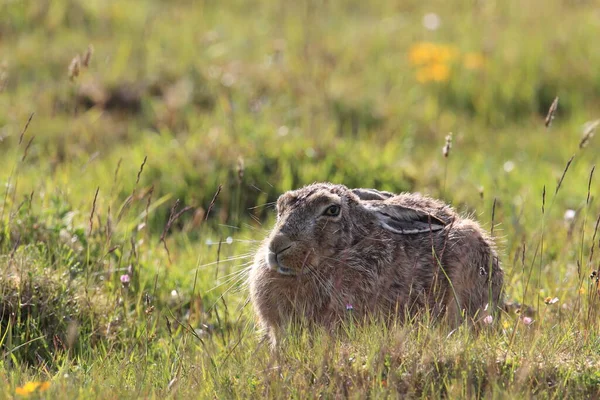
{"type": "Point", "coordinates": [335, 249]}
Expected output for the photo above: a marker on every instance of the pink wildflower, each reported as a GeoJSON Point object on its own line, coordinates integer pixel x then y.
{"type": "Point", "coordinates": [125, 279]}
{"type": "Point", "coordinates": [527, 320]}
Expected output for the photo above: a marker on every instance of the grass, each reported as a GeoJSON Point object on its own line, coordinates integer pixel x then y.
{"type": "Point", "coordinates": [159, 160]}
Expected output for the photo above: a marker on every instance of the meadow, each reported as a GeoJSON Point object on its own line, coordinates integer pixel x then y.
{"type": "Point", "coordinates": [142, 144]}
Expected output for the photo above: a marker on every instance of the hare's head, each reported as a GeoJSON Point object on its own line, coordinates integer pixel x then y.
{"type": "Point", "coordinates": [319, 221]}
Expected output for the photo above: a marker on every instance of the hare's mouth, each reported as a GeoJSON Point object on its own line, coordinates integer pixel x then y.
{"type": "Point", "coordinates": [276, 265]}
{"type": "Point", "coordinates": [286, 271]}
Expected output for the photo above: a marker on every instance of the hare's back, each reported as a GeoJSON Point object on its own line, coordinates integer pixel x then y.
{"type": "Point", "coordinates": [417, 201]}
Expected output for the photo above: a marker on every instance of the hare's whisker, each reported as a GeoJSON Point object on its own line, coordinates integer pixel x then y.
{"type": "Point", "coordinates": [231, 277]}
{"type": "Point", "coordinates": [245, 267]}
{"type": "Point", "coordinates": [224, 293]}
{"type": "Point", "coordinates": [269, 204]}
{"type": "Point", "coordinates": [226, 260]}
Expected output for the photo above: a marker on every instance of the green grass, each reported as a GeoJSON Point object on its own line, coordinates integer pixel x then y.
{"type": "Point", "coordinates": [262, 98]}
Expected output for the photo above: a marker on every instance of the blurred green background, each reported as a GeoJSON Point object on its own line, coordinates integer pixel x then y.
{"type": "Point", "coordinates": [353, 92]}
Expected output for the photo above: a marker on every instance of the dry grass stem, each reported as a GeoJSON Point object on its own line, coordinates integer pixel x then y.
{"type": "Point", "coordinates": [93, 209]}
{"type": "Point", "coordinates": [26, 151]}
{"type": "Point", "coordinates": [212, 202]}
{"type": "Point", "coordinates": [25, 128]}
{"type": "Point", "coordinates": [493, 217]}
{"type": "Point", "coordinates": [141, 170]}
{"type": "Point", "coordinates": [563, 174]}
{"type": "Point", "coordinates": [543, 199]}
{"type": "Point", "coordinates": [551, 112]}
{"type": "Point", "coordinates": [150, 193]}
{"type": "Point", "coordinates": [173, 216]}
{"type": "Point", "coordinates": [117, 169]}
{"type": "Point", "coordinates": [594, 239]}
{"type": "Point", "coordinates": [589, 189]}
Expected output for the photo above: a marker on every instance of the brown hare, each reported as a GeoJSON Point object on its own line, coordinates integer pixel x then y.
{"type": "Point", "coordinates": [335, 249]}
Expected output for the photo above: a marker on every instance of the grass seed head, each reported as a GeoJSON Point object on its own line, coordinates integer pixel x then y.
{"type": "Point", "coordinates": [448, 145]}
{"type": "Point", "coordinates": [85, 60]}
{"type": "Point", "coordinates": [589, 129]}
{"type": "Point", "coordinates": [240, 169]}
{"type": "Point", "coordinates": [74, 67]}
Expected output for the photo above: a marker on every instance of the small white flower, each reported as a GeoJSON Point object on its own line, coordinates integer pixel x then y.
{"type": "Point", "coordinates": [488, 320]}
{"type": "Point", "coordinates": [509, 166]}
{"type": "Point", "coordinates": [431, 21]}
{"type": "Point", "coordinates": [283, 130]}
{"type": "Point", "coordinates": [569, 215]}
{"type": "Point", "coordinates": [228, 79]}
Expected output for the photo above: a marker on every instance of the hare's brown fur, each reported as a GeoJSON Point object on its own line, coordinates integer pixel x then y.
{"type": "Point", "coordinates": [384, 254]}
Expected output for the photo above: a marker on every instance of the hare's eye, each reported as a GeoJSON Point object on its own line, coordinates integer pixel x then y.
{"type": "Point", "coordinates": [332, 211]}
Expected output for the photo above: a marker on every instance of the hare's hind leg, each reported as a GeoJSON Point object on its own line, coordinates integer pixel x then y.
{"type": "Point", "coordinates": [475, 274]}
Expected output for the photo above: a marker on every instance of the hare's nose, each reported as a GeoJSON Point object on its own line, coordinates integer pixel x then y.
{"type": "Point", "coordinates": [279, 244]}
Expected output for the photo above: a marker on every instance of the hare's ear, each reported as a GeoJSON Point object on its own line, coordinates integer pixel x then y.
{"type": "Point", "coordinates": [371, 194]}
{"type": "Point", "coordinates": [403, 220]}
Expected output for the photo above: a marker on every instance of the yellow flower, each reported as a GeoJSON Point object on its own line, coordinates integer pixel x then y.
{"type": "Point", "coordinates": [473, 61]}
{"type": "Point", "coordinates": [31, 387]}
{"type": "Point", "coordinates": [444, 54]}
{"type": "Point", "coordinates": [435, 72]}
{"type": "Point", "coordinates": [440, 72]}
{"type": "Point", "coordinates": [421, 53]}
{"type": "Point", "coordinates": [430, 53]}
{"type": "Point", "coordinates": [432, 61]}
